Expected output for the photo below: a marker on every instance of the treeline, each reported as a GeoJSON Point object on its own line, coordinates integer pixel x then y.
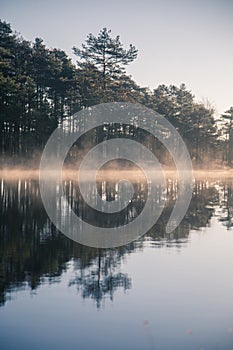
{"type": "Point", "coordinates": [39, 87]}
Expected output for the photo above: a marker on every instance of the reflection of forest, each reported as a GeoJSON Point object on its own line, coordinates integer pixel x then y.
{"type": "Point", "coordinates": [32, 251]}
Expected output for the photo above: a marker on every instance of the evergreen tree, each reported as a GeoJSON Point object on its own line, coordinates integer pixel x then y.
{"type": "Point", "coordinates": [107, 55]}
{"type": "Point", "coordinates": [227, 131]}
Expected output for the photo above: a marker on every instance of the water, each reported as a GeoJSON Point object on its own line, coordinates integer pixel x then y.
{"type": "Point", "coordinates": [160, 292]}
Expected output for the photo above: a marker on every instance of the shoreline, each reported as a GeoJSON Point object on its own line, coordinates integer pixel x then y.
{"type": "Point", "coordinates": [15, 173]}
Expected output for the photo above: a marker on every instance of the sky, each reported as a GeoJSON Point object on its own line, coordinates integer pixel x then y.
{"type": "Point", "coordinates": [187, 42]}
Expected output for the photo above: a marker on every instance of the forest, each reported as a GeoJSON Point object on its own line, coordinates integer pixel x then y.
{"type": "Point", "coordinates": [40, 87]}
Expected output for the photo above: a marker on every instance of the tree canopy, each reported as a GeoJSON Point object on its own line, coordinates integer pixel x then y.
{"type": "Point", "coordinates": [106, 54]}
{"type": "Point", "coordinates": [39, 87]}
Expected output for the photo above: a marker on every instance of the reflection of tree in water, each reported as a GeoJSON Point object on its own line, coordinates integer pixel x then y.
{"type": "Point", "coordinates": [198, 215]}
{"type": "Point", "coordinates": [102, 276]}
{"type": "Point", "coordinates": [110, 192]}
{"type": "Point", "coordinates": [226, 204]}
{"type": "Point", "coordinates": [201, 208]}
{"type": "Point", "coordinates": [32, 252]}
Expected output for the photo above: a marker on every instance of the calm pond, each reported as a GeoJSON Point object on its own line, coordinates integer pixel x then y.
{"type": "Point", "coordinates": [162, 291]}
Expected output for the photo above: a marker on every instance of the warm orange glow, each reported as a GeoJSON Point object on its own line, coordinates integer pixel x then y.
{"type": "Point", "coordinates": [133, 175]}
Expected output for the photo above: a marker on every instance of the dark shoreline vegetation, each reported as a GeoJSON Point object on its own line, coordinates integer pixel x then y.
{"type": "Point", "coordinates": [40, 87]}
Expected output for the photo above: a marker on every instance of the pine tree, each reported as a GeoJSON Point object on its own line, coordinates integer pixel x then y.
{"type": "Point", "coordinates": [227, 129]}
{"type": "Point", "coordinates": [107, 55]}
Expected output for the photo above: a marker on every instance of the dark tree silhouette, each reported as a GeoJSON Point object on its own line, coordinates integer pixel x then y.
{"type": "Point", "coordinates": [106, 54]}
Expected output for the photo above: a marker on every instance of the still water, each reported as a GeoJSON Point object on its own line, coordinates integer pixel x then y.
{"type": "Point", "coordinates": [159, 292]}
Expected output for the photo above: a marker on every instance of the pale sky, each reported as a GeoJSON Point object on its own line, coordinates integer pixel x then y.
{"type": "Point", "coordinates": [187, 42]}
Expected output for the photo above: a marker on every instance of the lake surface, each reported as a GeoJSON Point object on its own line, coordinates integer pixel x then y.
{"type": "Point", "coordinates": [160, 292]}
